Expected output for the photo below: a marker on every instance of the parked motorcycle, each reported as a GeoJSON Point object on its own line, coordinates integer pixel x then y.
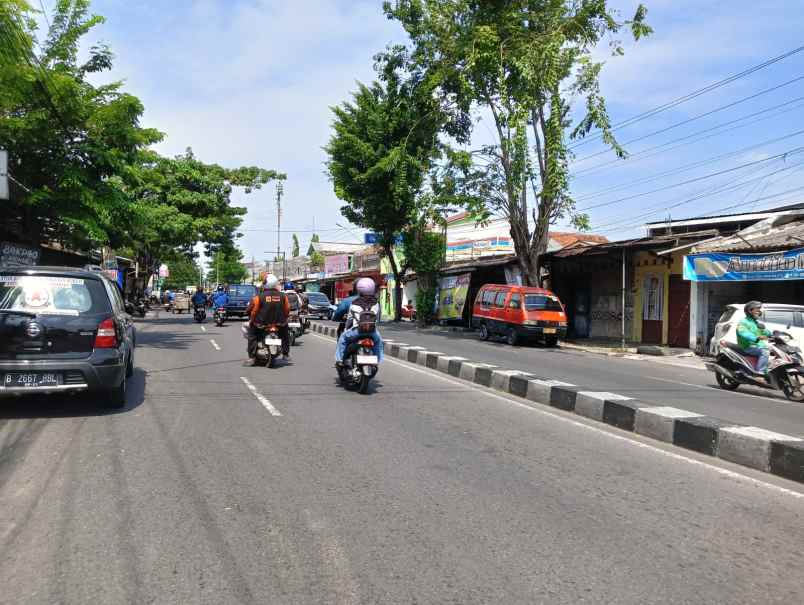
{"type": "Point", "coordinates": [200, 313]}
{"type": "Point", "coordinates": [219, 316]}
{"type": "Point", "coordinates": [360, 364]}
{"type": "Point", "coordinates": [785, 373]}
{"type": "Point", "coordinates": [269, 347]}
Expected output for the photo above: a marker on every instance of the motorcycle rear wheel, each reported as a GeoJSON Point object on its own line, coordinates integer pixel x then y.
{"type": "Point", "coordinates": [364, 384]}
{"type": "Point", "coordinates": [726, 383]}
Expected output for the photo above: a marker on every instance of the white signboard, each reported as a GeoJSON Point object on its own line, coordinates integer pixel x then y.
{"type": "Point", "coordinates": [3, 174]}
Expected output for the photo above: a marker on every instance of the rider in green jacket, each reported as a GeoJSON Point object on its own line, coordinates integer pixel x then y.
{"type": "Point", "coordinates": [752, 337]}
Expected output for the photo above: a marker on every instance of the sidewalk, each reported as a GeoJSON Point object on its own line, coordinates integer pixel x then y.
{"type": "Point", "coordinates": [664, 355]}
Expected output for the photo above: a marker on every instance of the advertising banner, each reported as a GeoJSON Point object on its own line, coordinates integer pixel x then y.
{"type": "Point", "coordinates": [452, 293]}
{"type": "Point", "coordinates": [771, 266]}
{"type": "Point", "coordinates": [333, 265]}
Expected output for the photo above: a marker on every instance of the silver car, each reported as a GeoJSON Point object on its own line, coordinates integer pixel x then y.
{"type": "Point", "coordinates": [784, 318]}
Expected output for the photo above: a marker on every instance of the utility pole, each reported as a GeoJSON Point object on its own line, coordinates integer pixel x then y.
{"type": "Point", "coordinates": [278, 215]}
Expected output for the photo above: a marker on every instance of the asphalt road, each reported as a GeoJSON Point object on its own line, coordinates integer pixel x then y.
{"type": "Point", "coordinates": [649, 381]}
{"type": "Point", "coordinates": [428, 490]}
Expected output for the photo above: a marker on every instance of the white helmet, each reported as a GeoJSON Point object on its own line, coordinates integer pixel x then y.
{"type": "Point", "coordinates": [270, 282]}
{"type": "Point", "coordinates": [366, 286]}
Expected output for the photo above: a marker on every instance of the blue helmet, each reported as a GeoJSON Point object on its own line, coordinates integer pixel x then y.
{"type": "Point", "coordinates": [289, 286]}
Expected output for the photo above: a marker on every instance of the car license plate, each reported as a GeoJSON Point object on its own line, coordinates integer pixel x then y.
{"type": "Point", "coordinates": [294, 324]}
{"type": "Point", "coordinates": [273, 342]}
{"type": "Point", "coordinates": [32, 380]}
{"type": "Point", "coordinates": [367, 360]}
{"type": "Point", "coordinates": [549, 330]}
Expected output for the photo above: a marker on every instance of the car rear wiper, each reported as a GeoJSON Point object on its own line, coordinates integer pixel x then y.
{"type": "Point", "coordinates": [16, 312]}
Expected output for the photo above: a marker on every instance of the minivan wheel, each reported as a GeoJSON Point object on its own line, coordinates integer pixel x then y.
{"type": "Point", "coordinates": [512, 338]}
{"type": "Point", "coordinates": [551, 341]}
{"type": "Point", "coordinates": [484, 332]}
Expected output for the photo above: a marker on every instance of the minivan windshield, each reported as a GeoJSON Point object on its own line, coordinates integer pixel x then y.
{"type": "Point", "coordinates": [52, 295]}
{"type": "Point", "coordinates": [539, 302]}
{"type": "Point", "coordinates": [318, 298]}
{"type": "Point", "coordinates": [243, 290]}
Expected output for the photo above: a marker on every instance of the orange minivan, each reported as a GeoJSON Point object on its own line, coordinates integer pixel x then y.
{"type": "Point", "coordinates": [518, 313]}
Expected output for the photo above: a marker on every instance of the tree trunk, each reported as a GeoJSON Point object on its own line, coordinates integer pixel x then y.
{"type": "Point", "coordinates": [397, 285]}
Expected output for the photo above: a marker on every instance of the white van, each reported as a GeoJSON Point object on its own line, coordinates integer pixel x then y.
{"type": "Point", "coordinates": [784, 318]}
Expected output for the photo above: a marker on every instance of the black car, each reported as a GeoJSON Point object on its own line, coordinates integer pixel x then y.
{"type": "Point", "coordinates": [64, 329]}
{"type": "Point", "coordinates": [318, 305]}
{"type": "Point", "coordinates": [240, 295]}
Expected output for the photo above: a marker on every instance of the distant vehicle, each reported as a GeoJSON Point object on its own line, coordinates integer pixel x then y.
{"type": "Point", "coordinates": [64, 329]}
{"type": "Point", "coordinates": [518, 313]}
{"type": "Point", "coordinates": [240, 296]}
{"type": "Point", "coordinates": [181, 303]}
{"type": "Point", "coordinates": [319, 306]}
{"type": "Point", "coordinates": [776, 317]}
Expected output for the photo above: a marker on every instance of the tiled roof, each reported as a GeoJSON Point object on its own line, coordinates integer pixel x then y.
{"type": "Point", "coordinates": [790, 235]}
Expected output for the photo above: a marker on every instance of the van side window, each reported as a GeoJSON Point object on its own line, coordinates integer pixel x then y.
{"type": "Point", "coordinates": [500, 302]}
{"type": "Point", "coordinates": [516, 301]}
{"type": "Point", "coordinates": [488, 298]}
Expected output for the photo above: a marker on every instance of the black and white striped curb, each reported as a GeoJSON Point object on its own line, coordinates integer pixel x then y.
{"type": "Point", "coordinates": [751, 446]}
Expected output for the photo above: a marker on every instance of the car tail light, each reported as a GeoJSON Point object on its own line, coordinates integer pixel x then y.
{"type": "Point", "coordinates": [107, 335]}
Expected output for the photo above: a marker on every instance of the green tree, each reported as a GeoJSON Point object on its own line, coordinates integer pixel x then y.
{"type": "Point", "coordinates": [184, 271]}
{"type": "Point", "coordinates": [380, 152]}
{"type": "Point", "coordinates": [295, 250]}
{"type": "Point", "coordinates": [313, 240]}
{"type": "Point", "coordinates": [424, 254]}
{"type": "Point", "coordinates": [70, 141]}
{"type": "Point", "coordinates": [226, 267]}
{"type": "Point", "coordinates": [523, 61]}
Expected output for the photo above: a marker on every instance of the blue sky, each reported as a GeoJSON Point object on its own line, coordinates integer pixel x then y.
{"type": "Point", "coordinates": [251, 82]}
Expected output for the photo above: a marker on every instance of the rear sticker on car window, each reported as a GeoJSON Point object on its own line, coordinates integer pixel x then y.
{"type": "Point", "coordinates": [44, 295]}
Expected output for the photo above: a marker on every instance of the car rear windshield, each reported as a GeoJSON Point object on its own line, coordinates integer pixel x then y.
{"type": "Point", "coordinates": [728, 312]}
{"type": "Point", "coordinates": [539, 302]}
{"type": "Point", "coordinates": [52, 295]}
{"type": "Point", "coordinates": [318, 298]}
{"type": "Point", "coordinates": [243, 290]}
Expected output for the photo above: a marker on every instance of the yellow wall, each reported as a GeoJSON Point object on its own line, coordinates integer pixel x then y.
{"type": "Point", "coordinates": [643, 265]}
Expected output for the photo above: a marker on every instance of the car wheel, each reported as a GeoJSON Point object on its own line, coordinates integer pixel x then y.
{"type": "Point", "coordinates": [116, 397]}
{"type": "Point", "coordinates": [511, 337]}
{"type": "Point", "coordinates": [551, 341]}
{"type": "Point", "coordinates": [484, 332]}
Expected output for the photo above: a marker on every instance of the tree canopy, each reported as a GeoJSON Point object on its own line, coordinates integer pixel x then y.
{"type": "Point", "coordinates": [523, 61]}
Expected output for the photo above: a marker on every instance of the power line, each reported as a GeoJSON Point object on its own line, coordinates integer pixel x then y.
{"type": "Point", "coordinates": [697, 93]}
{"type": "Point", "coordinates": [684, 168]}
{"type": "Point", "coordinates": [697, 179]}
{"type": "Point", "coordinates": [698, 117]}
{"type": "Point", "coordinates": [716, 190]}
{"type": "Point", "coordinates": [682, 142]}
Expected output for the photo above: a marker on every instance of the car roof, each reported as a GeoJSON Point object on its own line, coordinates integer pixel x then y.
{"type": "Point", "coordinates": [52, 269]}
{"type": "Point", "coordinates": [777, 306]}
{"type": "Point", "coordinates": [523, 289]}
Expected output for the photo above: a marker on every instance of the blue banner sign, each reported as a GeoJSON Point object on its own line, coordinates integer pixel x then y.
{"type": "Point", "coordinates": [772, 266]}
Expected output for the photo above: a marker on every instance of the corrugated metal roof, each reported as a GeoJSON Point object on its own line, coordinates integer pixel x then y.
{"type": "Point", "coordinates": [584, 249]}
{"type": "Point", "coordinates": [781, 237]}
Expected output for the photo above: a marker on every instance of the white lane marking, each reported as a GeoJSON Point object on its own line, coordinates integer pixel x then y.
{"type": "Point", "coordinates": [647, 446]}
{"type": "Point", "coordinates": [710, 388]}
{"type": "Point", "coordinates": [216, 346]}
{"type": "Point", "coordinates": [264, 401]}
{"type": "Point", "coordinates": [203, 329]}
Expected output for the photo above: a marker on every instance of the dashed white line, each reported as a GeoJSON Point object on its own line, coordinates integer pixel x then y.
{"type": "Point", "coordinates": [483, 390]}
{"type": "Point", "coordinates": [216, 346]}
{"type": "Point", "coordinates": [263, 400]}
{"type": "Point", "coordinates": [203, 329]}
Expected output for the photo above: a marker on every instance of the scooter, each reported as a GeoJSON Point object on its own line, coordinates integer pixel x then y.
{"type": "Point", "coordinates": [200, 313]}
{"type": "Point", "coordinates": [269, 347]}
{"type": "Point", "coordinates": [360, 364]}
{"type": "Point", "coordinates": [295, 328]}
{"type": "Point", "coordinates": [785, 373]}
{"type": "Point", "coordinates": [219, 316]}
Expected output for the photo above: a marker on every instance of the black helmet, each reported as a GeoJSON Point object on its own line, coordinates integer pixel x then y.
{"type": "Point", "coordinates": [751, 304]}
{"type": "Point", "coordinates": [220, 288]}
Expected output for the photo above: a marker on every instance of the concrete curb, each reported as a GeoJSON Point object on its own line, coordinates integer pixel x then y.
{"type": "Point", "coordinates": [751, 446]}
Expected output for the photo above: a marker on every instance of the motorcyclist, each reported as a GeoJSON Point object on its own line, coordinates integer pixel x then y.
{"type": "Point", "coordinates": [270, 307]}
{"type": "Point", "coordinates": [343, 309]}
{"type": "Point", "coordinates": [752, 337]}
{"type": "Point", "coordinates": [366, 301]}
{"type": "Point", "coordinates": [220, 298]}
{"type": "Point", "coordinates": [199, 298]}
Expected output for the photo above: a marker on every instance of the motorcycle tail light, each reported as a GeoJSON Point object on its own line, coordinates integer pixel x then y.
{"type": "Point", "coordinates": [366, 342]}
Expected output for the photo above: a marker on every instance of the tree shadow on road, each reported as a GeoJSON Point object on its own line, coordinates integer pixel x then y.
{"type": "Point", "coordinates": [75, 405]}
